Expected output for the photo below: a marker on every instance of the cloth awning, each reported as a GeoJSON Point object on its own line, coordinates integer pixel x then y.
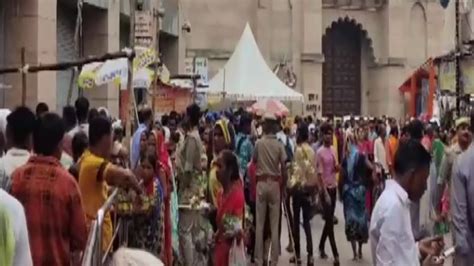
{"type": "Point", "coordinates": [413, 84]}
{"type": "Point", "coordinates": [247, 77]}
{"type": "Point", "coordinates": [116, 70]}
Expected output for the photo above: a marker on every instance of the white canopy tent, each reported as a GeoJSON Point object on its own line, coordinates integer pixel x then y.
{"type": "Point", "coordinates": [247, 77]}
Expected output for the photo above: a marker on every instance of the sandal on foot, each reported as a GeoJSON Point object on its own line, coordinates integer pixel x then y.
{"type": "Point", "coordinates": [296, 261]}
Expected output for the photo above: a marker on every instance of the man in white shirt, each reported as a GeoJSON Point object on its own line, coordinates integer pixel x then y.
{"type": "Point", "coordinates": [15, 222]}
{"type": "Point", "coordinates": [81, 107]}
{"type": "Point", "coordinates": [3, 129]}
{"type": "Point", "coordinates": [380, 154]}
{"type": "Point", "coordinates": [391, 238]}
{"type": "Point", "coordinates": [82, 111]}
{"type": "Point", "coordinates": [20, 126]}
{"type": "Point", "coordinates": [166, 129]}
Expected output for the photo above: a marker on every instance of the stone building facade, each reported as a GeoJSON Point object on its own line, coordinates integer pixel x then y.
{"type": "Point", "coordinates": [46, 29]}
{"type": "Point", "coordinates": [349, 56]}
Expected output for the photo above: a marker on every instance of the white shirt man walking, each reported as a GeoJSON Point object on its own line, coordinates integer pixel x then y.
{"type": "Point", "coordinates": [20, 126]}
{"type": "Point", "coordinates": [391, 235]}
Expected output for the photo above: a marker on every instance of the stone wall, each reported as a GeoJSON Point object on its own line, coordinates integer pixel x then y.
{"type": "Point", "coordinates": [218, 24]}
{"type": "Point", "coordinates": [101, 29]}
{"type": "Point", "coordinates": [33, 26]}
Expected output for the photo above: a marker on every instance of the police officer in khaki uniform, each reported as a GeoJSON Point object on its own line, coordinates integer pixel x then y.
{"type": "Point", "coordinates": [269, 156]}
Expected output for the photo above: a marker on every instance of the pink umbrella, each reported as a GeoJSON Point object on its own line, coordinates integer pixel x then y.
{"type": "Point", "coordinates": [274, 107]}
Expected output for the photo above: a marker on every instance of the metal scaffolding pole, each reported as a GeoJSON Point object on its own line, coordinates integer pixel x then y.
{"type": "Point", "coordinates": [131, 94]}
{"type": "Point", "coordinates": [458, 54]}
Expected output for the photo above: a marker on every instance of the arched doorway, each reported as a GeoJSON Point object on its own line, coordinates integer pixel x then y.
{"type": "Point", "coordinates": [341, 94]}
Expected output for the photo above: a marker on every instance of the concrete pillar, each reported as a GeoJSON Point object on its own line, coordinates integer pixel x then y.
{"type": "Point", "coordinates": [384, 97]}
{"type": "Point", "coordinates": [181, 43]}
{"type": "Point", "coordinates": [264, 28]}
{"type": "Point", "coordinates": [364, 78]}
{"type": "Point", "coordinates": [102, 35]}
{"type": "Point", "coordinates": [281, 32]}
{"type": "Point", "coordinates": [387, 96]}
{"type": "Point", "coordinates": [434, 12]}
{"type": "Point", "coordinates": [296, 45]}
{"type": "Point", "coordinates": [311, 56]}
{"type": "Point", "coordinates": [395, 28]}
{"type": "Point", "coordinates": [31, 24]}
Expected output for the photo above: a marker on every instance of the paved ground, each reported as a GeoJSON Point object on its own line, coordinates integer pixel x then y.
{"type": "Point", "coordinates": [344, 247]}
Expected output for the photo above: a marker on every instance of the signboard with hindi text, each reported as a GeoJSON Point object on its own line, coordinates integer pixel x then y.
{"type": "Point", "coordinates": [188, 66]}
{"type": "Point", "coordinates": [145, 29]}
{"type": "Point", "coordinates": [447, 76]}
{"type": "Point", "coordinates": [201, 68]}
{"type": "Point", "coordinates": [169, 99]}
{"type": "Point", "coordinates": [467, 70]}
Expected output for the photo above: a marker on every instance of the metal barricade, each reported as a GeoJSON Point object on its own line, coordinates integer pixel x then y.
{"type": "Point", "coordinates": [93, 254]}
{"type": "Point", "coordinates": [90, 247]}
{"type": "Point", "coordinates": [203, 245]}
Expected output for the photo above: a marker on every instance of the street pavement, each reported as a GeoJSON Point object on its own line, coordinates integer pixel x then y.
{"type": "Point", "coordinates": [344, 247]}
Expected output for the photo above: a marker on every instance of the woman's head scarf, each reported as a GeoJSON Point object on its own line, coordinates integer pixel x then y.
{"type": "Point", "coordinates": [162, 152]}
{"type": "Point", "coordinates": [135, 149]}
{"type": "Point", "coordinates": [212, 117]}
{"type": "Point", "coordinates": [104, 111]}
{"type": "Point", "coordinates": [117, 124]}
{"type": "Point", "coordinates": [351, 152]}
{"type": "Point", "coordinates": [227, 131]}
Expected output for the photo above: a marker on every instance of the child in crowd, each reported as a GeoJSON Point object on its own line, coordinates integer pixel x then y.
{"type": "Point", "coordinates": [79, 145]}
{"type": "Point", "coordinates": [145, 212]}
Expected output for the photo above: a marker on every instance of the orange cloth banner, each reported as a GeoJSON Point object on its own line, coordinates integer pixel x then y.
{"type": "Point", "coordinates": [171, 99]}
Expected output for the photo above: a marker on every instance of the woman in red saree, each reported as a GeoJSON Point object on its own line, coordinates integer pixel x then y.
{"type": "Point", "coordinates": [165, 178]}
{"type": "Point", "coordinates": [230, 212]}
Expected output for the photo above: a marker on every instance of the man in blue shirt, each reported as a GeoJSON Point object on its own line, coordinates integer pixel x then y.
{"type": "Point", "coordinates": [243, 144]}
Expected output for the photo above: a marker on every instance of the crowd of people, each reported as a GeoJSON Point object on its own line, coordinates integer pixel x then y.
{"type": "Point", "coordinates": [207, 188]}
